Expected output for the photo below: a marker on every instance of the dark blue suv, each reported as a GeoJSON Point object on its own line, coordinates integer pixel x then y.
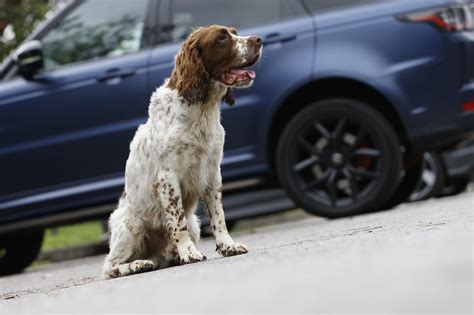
{"type": "Point", "coordinates": [349, 94]}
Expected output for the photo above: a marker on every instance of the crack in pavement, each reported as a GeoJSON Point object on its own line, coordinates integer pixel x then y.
{"type": "Point", "coordinates": [67, 284]}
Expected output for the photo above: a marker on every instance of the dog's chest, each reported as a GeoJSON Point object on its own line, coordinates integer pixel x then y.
{"type": "Point", "coordinates": [199, 147]}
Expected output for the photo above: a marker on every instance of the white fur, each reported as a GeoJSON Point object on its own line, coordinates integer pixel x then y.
{"type": "Point", "coordinates": [174, 161]}
{"type": "Point", "coordinates": [242, 46]}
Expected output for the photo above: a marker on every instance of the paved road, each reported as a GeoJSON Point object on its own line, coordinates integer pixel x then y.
{"type": "Point", "coordinates": [417, 258]}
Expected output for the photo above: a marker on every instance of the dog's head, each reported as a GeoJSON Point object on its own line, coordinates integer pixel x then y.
{"type": "Point", "coordinates": [215, 53]}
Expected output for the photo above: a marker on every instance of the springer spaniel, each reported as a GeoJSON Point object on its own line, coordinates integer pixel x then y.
{"type": "Point", "coordinates": [175, 158]}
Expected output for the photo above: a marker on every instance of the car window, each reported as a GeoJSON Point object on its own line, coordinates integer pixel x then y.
{"type": "Point", "coordinates": [323, 5]}
{"type": "Point", "coordinates": [95, 29]}
{"type": "Point", "coordinates": [240, 14]}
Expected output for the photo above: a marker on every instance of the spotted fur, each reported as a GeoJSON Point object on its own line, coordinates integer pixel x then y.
{"type": "Point", "coordinates": [175, 161]}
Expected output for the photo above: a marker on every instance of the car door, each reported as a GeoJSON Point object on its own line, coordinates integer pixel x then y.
{"type": "Point", "coordinates": [287, 30]}
{"type": "Point", "coordinates": [68, 129]}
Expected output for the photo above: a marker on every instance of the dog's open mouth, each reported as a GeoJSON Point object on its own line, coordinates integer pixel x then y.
{"type": "Point", "coordinates": [233, 76]}
{"type": "Point", "coordinates": [240, 74]}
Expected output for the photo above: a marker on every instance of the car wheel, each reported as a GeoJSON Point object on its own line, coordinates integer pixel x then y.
{"type": "Point", "coordinates": [432, 178]}
{"type": "Point", "coordinates": [455, 187]}
{"type": "Point", "coordinates": [18, 252]}
{"type": "Point", "coordinates": [411, 176]}
{"type": "Point", "coordinates": [339, 157]}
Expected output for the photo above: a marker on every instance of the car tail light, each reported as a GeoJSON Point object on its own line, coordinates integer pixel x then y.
{"type": "Point", "coordinates": [455, 18]}
{"type": "Point", "coordinates": [468, 106]}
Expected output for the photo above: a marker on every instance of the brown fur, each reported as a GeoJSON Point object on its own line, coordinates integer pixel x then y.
{"type": "Point", "coordinates": [207, 54]}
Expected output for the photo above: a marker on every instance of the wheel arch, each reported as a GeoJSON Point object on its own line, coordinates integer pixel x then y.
{"type": "Point", "coordinates": [325, 88]}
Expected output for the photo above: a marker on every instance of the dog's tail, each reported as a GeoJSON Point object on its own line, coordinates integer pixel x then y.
{"type": "Point", "coordinates": [194, 227]}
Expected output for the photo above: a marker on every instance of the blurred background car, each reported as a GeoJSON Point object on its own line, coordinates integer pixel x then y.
{"type": "Point", "coordinates": [349, 96]}
{"type": "Point", "coordinates": [445, 173]}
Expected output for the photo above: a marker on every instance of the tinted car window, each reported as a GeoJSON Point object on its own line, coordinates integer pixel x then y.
{"type": "Point", "coordinates": [322, 5]}
{"type": "Point", "coordinates": [95, 29]}
{"type": "Point", "coordinates": [241, 14]}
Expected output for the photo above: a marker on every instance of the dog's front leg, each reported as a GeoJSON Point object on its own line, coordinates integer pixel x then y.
{"type": "Point", "coordinates": [213, 202]}
{"type": "Point", "coordinates": [169, 192]}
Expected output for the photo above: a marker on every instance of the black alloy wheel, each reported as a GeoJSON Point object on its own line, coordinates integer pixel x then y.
{"type": "Point", "coordinates": [432, 178]}
{"type": "Point", "coordinates": [455, 186]}
{"type": "Point", "coordinates": [339, 157]}
{"type": "Point", "coordinates": [412, 171]}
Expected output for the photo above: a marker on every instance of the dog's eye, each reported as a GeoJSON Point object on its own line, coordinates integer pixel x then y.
{"type": "Point", "coordinates": [223, 38]}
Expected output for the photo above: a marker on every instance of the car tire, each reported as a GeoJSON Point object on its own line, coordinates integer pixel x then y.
{"type": "Point", "coordinates": [19, 251]}
{"type": "Point", "coordinates": [411, 176]}
{"type": "Point", "coordinates": [432, 178]}
{"type": "Point", "coordinates": [455, 187]}
{"type": "Point", "coordinates": [338, 157]}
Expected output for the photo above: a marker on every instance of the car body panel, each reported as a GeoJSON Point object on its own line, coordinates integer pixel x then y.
{"type": "Point", "coordinates": [418, 81]}
{"type": "Point", "coordinates": [52, 155]}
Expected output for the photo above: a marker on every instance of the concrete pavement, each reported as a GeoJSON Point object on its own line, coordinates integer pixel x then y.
{"type": "Point", "coordinates": [416, 258]}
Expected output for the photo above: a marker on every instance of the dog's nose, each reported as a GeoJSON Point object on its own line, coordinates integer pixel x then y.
{"type": "Point", "coordinates": [255, 39]}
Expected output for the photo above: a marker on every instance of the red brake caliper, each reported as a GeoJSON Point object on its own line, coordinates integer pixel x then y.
{"type": "Point", "coordinates": [365, 162]}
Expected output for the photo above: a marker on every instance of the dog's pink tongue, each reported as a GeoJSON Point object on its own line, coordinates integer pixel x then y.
{"type": "Point", "coordinates": [242, 74]}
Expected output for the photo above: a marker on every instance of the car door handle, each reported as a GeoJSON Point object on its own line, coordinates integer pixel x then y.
{"type": "Point", "coordinates": [278, 38]}
{"type": "Point", "coordinates": [115, 74]}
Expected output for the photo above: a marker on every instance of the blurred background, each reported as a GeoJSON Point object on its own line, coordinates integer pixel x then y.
{"type": "Point", "coordinates": [358, 106]}
{"type": "Point", "coordinates": [18, 18]}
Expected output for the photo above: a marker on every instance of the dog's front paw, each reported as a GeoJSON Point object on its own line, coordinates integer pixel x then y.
{"type": "Point", "coordinates": [191, 255]}
{"type": "Point", "coordinates": [231, 249]}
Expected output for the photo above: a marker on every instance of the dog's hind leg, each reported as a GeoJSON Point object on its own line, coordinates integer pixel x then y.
{"type": "Point", "coordinates": [135, 267]}
{"type": "Point", "coordinates": [126, 244]}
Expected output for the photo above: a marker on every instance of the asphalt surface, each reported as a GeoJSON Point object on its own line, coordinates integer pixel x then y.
{"type": "Point", "coordinates": [416, 258]}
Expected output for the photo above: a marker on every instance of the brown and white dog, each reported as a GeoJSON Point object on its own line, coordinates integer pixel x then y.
{"type": "Point", "coordinates": [175, 158]}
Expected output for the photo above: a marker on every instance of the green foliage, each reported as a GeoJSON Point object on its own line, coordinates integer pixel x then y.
{"type": "Point", "coordinates": [22, 16]}
{"type": "Point", "coordinates": [73, 235]}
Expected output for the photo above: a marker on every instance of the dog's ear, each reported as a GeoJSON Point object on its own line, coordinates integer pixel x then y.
{"type": "Point", "coordinates": [190, 77]}
{"type": "Point", "coordinates": [229, 97]}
